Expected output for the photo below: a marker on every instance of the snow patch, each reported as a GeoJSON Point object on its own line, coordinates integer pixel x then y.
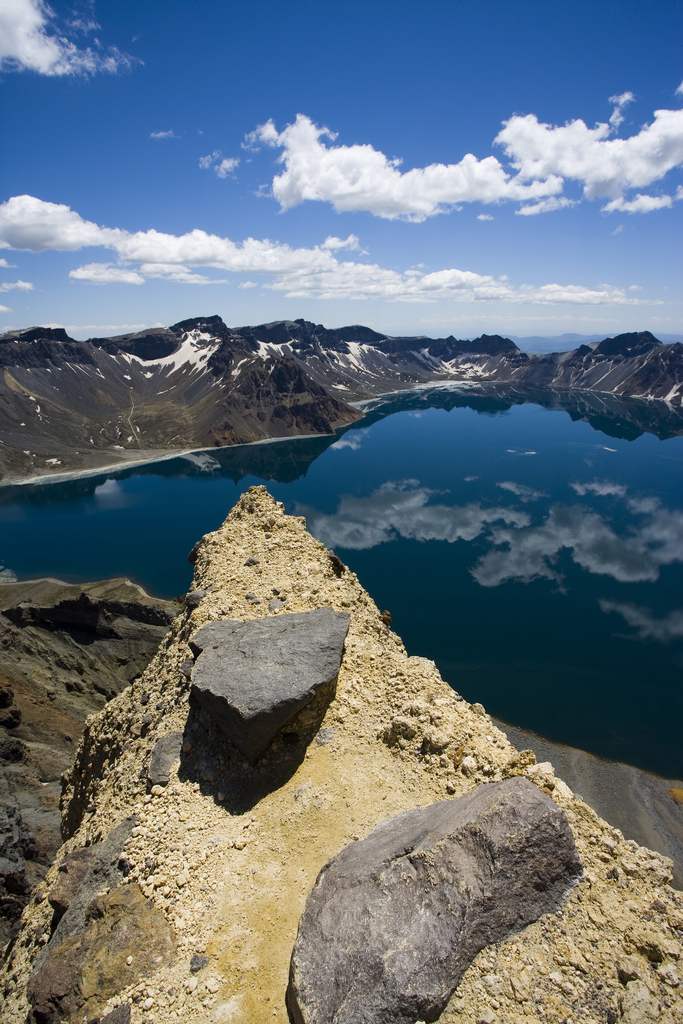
{"type": "Point", "coordinates": [233, 373]}
{"type": "Point", "coordinates": [265, 350]}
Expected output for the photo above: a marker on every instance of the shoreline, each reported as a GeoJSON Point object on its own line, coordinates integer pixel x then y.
{"type": "Point", "coordinates": [164, 456]}
{"type": "Point", "coordinates": [363, 405]}
{"type": "Point", "coordinates": [632, 799]}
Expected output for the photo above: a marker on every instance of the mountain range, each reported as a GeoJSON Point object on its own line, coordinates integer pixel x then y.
{"type": "Point", "coordinates": [70, 405]}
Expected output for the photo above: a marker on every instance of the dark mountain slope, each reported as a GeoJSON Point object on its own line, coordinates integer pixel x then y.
{"type": "Point", "coordinates": [66, 404]}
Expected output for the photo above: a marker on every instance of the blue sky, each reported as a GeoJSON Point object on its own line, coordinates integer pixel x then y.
{"type": "Point", "coordinates": [442, 167]}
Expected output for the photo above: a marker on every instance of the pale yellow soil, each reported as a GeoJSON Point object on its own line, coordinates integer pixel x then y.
{"type": "Point", "coordinates": [235, 849]}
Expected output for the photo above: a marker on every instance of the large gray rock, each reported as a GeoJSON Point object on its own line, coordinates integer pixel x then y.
{"type": "Point", "coordinates": [252, 677]}
{"type": "Point", "coordinates": [166, 752]}
{"type": "Point", "coordinates": [394, 921]}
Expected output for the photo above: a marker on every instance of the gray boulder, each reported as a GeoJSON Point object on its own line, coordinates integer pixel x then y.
{"type": "Point", "coordinates": [394, 921]}
{"type": "Point", "coordinates": [253, 677]}
{"type": "Point", "coordinates": [121, 1015]}
{"type": "Point", "coordinates": [104, 871]}
{"type": "Point", "coordinates": [166, 752]}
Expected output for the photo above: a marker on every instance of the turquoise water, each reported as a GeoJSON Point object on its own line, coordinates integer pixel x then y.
{"type": "Point", "coordinates": [536, 559]}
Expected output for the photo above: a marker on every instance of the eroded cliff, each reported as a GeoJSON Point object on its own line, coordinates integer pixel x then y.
{"type": "Point", "coordinates": [196, 887]}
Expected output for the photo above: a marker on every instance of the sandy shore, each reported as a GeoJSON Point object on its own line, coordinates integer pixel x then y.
{"type": "Point", "coordinates": [147, 457]}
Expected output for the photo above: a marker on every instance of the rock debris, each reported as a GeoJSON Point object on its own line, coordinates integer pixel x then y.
{"type": "Point", "coordinates": [226, 852]}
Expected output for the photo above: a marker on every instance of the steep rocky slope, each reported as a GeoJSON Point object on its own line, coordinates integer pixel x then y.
{"type": "Point", "coordinates": [65, 650]}
{"type": "Point", "coordinates": [191, 908]}
{"type": "Point", "coordinates": [72, 405]}
{"type": "Point", "coordinates": [68, 405]}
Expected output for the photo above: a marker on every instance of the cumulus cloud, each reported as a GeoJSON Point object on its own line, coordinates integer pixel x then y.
{"type": "Point", "coordinates": [7, 266]}
{"type": "Point", "coordinates": [668, 628]}
{"type": "Point", "coordinates": [542, 157]}
{"type": "Point", "coordinates": [206, 161]}
{"type": "Point", "coordinates": [402, 509]}
{"type": "Point", "coordinates": [105, 273]}
{"type": "Point", "coordinates": [22, 286]}
{"type": "Point", "coordinates": [523, 492]}
{"type": "Point", "coordinates": [31, 224]}
{"type": "Point", "coordinates": [222, 168]}
{"type": "Point", "coordinates": [29, 41]}
{"type": "Point", "coordinates": [639, 204]}
{"type": "Point", "coordinates": [620, 102]}
{"type": "Point", "coordinates": [359, 177]}
{"type": "Point", "coordinates": [333, 243]}
{"type": "Point", "coordinates": [529, 554]}
{"type": "Point", "coordinates": [545, 206]}
{"type": "Point", "coordinates": [484, 216]}
{"type": "Point", "coordinates": [600, 487]}
{"type": "Point", "coordinates": [604, 166]}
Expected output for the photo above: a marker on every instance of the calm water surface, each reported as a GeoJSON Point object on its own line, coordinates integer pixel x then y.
{"type": "Point", "coordinates": [537, 560]}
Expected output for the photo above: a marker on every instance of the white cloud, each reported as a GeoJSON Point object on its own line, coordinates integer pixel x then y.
{"type": "Point", "coordinates": [22, 286]}
{"type": "Point", "coordinates": [605, 167]}
{"type": "Point", "coordinates": [29, 223]}
{"type": "Point", "coordinates": [27, 44]}
{"type": "Point", "coordinates": [359, 177]}
{"type": "Point", "coordinates": [105, 273]}
{"type": "Point", "coordinates": [5, 309]}
{"type": "Point", "coordinates": [599, 487]}
{"type": "Point", "coordinates": [222, 167]}
{"type": "Point", "coordinates": [7, 266]}
{"type": "Point", "coordinates": [545, 206]}
{"type": "Point", "coordinates": [542, 156]}
{"type": "Point", "coordinates": [401, 509]}
{"type": "Point", "coordinates": [523, 492]}
{"type": "Point", "coordinates": [617, 231]}
{"type": "Point", "coordinates": [484, 216]}
{"type": "Point", "coordinates": [164, 135]}
{"type": "Point", "coordinates": [332, 243]}
{"type": "Point", "coordinates": [635, 287]}
{"type": "Point", "coordinates": [206, 161]}
{"type": "Point", "coordinates": [226, 167]}
{"type": "Point", "coordinates": [248, 284]}
{"type": "Point", "coordinates": [679, 90]}
{"type": "Point", "coordinates": [620, 102]}
{"type": "Point", "coordinates": [639, 204]}
{"type": "Point", "coordinates": [668, 628]}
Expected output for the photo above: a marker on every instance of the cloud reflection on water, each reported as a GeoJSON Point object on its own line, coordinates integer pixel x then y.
{"type": "Point", "coordinates": [401, 509]}
{"type": "Point", "coordinates": [519, 550]}
{"type": "Point", "coordinates": [649, 627]}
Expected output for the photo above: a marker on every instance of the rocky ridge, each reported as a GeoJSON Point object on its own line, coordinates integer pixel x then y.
{"type": "Point", "coordinates": [69, 405]}
{"type": "Point", "coordinates": [65, 650]}
{"type": "Point", "coordinates": [227, 852]}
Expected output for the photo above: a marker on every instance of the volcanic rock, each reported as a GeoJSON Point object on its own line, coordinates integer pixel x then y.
{"type": "Point", "coordinates": [86, 969]}
{"type": "Point", "coordinates": [254, 676]}
{"type": "Point", "coordinates": [166, 751]}
{"type": "Point", "coordinates": [394, 921]}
